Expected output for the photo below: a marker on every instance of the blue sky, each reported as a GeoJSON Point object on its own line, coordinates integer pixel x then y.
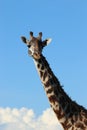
{"type": "Point", "coordinates": [63, 21]}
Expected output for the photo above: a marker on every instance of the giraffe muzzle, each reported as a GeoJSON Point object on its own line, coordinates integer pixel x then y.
{"type": "Point", "coordinates": [29, 52]}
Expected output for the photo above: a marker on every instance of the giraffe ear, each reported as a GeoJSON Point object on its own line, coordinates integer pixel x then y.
{"type": "Point", "coordinates": [25, 40]}
{"type": "Point", "coordinates": [46, 42]}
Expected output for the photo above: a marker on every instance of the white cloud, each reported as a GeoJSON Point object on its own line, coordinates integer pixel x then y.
{"type": "Point", "coordinates": [25, 119]}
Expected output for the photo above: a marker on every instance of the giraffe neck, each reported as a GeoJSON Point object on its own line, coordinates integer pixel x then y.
{"type": "Point", "coordinates": [65, 109]}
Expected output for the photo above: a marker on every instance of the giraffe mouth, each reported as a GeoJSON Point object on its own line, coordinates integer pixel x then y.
{"type": "Point", "coordinates": [36, 56]}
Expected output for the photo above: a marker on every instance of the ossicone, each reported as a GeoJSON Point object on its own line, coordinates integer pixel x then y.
{"type": "Point", "coordinates": [31, 34]}
{"type": "Point", "coordinates": [40, 36]}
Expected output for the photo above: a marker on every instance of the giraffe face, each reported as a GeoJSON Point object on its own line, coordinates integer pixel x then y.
{"type": "Point", "coordinates": [35, 45]}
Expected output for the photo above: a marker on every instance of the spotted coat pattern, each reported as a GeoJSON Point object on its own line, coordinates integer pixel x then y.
{"type": "Point", "coordinates": [71, 115]}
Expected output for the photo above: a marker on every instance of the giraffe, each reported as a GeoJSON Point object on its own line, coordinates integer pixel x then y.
{"type": "Point", "coordinates": [71, 115]}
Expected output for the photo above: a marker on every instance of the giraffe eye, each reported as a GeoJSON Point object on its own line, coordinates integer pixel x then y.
{"type": "Point", "coordinates": [29, 46]}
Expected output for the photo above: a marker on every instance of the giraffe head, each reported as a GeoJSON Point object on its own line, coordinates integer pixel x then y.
{"type": "Point", "coordinates": [35, 45]}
